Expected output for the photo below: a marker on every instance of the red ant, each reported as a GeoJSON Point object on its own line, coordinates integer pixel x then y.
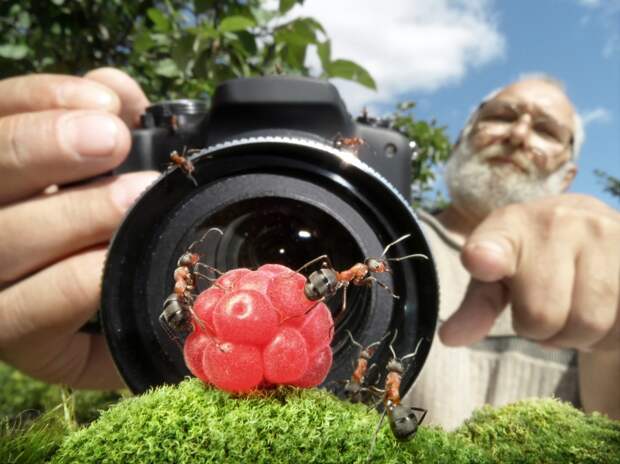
{"type": "Point", "coordinates": [403, 420]}
{"type": "Point", "coordinates": [325, 282]}
{"type": "Point", "coordinates": [183, 163]}
{"type": "Point", "coordinates": [354, 387]}
{"type": "Point", "coordinates": [352, 143]}
{"type": "Point", "coordinates": [178, 306]}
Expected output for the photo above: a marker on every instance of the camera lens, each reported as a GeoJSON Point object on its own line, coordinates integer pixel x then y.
{"type": "Point", "coordinates": [284, 231]}
{"type": "Point", "coordinates": [277, 201]}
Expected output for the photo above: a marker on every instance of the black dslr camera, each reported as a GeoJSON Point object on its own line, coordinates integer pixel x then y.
{"type": "Point", "coordinates": [280, 166]}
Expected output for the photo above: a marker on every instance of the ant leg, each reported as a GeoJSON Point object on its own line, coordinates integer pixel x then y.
{"type": "Point", "coordinates": [193, 179]}
{"type": "Point", "coordinates": [372, 279]}
{"type": "Point", "coordinates": [209, 268]}
{"type": "Point", "coordinates": [343, 308]}
{"type": "Point", "coordinates": [309, 263]}
{"type": "Point", "coordinates": [374, 436]}
{"type": "Point", "coordinates": [210, 279]}
{"type": "Point", "coordinates": [423, 411]}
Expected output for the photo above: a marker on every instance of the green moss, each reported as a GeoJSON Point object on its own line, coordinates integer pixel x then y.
{"type": "Point", "coordinates": [193, 423]}
{"type": "Point", "coordinates": [544, 431]}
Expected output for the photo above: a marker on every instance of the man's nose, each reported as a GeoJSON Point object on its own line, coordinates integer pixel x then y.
{"type": "Point", "coordinates": [520, 130]}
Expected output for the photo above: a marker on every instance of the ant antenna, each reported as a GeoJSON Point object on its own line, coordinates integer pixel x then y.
{"type": "Point", "coordinates": [394, 243]}
{"type": "Point", "coordinates": [411, 355]}
{"type": "Point", "coordinates": [359, 345]}
{"type": "Point", "coordinates": [416, 255]}
{"type": "Point", "coordinates": [392, 343]}
{"type": "Point", "coordinates": [202, 239]}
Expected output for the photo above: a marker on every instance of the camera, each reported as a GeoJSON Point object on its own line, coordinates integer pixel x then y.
{"type": "Point", "coordinates": [281, 167]}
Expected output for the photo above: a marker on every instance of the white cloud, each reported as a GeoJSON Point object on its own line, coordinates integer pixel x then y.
{"type": "Point", "coordinates": [600, 115]}
{"type": "Point", "coordinates": [589, 3]}
{"type": "Point", "coordinates": [407, 45]}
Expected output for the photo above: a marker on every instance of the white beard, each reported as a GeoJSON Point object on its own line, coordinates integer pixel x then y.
{"type": "Point", "coordinates": [479, 187]}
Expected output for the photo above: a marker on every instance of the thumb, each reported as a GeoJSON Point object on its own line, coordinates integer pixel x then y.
{"type": "Point", "coordinates": [482, 304]}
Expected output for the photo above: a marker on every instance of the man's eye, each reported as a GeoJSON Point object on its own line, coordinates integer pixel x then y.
{"type": "Point", "coordinates": [499, 116]}
{"type": "Point", "coordinates": [547, 130]}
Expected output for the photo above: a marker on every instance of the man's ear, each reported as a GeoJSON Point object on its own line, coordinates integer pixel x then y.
{"type": "Point", "coordinates": [569, 175]}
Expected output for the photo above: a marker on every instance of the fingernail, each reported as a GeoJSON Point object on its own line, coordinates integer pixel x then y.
{"type": "Point", "coordinates": [90, 135]}
{"type": "Point", "coordinates": [127, 188]}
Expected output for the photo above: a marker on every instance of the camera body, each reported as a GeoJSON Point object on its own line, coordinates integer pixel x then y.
{"type": "Point", "coordinates": [279, 165]}
{"type": "Point", "coordinates": [289, 106]}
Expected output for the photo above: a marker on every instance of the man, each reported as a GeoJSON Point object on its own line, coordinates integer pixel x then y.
{"type": "Point", "coordinates": [510, 237]}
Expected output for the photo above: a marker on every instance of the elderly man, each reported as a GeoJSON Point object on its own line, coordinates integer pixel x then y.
{"type": "Point", "coordinates": [529, 276]}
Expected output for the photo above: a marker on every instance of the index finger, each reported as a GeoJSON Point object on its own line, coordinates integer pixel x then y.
{"type": "Point", "coordinates": [40, 92]}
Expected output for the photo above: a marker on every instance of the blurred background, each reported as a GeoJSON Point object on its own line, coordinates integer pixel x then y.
{"type": "Point", "coordinates": [424, 63]}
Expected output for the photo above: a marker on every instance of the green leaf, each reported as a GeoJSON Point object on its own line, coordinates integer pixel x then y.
{"type": "Point", "coordinates": [167, 68]}
{"type": "Point", "coordinates": [161, 22]}
{"type": "Point", "coordinates": [182, 52]}
{"type": "Point", "coordinates": [347, 69]}
{"type": "Point", "coordinates": [236, 23]}
{"type": "Point", "coordinates": [324, 50]}
{"type": "Point", "coordinates": [143, 42]}
{"type": "Point", "coordinates": [286, 5]}
{"type": "Point", "coordinates": [14, 52]}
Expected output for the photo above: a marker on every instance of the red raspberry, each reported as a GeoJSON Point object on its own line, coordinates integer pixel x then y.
{"type": "Point", "coordinates": [193, 350]}
{"type": "Point", "coordinates": [233, 367]}
{"type": "Point", "coordinates": [245, 316]}
{"type": "Point", "coordinates": [254, 329]}
{"type": "Point", "coordinates": [286, 357]}
{"type": "Point", "coordinates": [318, 368]}
{"type": "Point", "coordinates": [204, 306]}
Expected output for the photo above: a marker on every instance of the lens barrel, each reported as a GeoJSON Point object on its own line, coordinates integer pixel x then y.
{"type": "Point", "coordinates": [280, 200]}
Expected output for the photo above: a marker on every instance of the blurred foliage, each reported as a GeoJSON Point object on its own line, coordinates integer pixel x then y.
{"type": "Point", "coordinates": [612, 184]}
{"type": "Point", "coordinates": [173, 48]}
{"type": "Point", "coordinates": [185, 48]}
{"type": "Point", "coordinates": [32, 442]}
{"type": "Point", "coordinates": [433, 149]}
{"type": "Point", "coordinates": [24, 397]}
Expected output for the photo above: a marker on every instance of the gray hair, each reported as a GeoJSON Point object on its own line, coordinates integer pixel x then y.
{"type": "Point", "coordinates": [578, 131]}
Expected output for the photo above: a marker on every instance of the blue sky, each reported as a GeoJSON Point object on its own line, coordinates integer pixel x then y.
{"type": "Point", "coordinates": [448, 54]}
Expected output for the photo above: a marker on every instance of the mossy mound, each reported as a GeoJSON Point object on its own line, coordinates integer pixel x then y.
{"type": "Point", "coordinates": [543, 431]}
{"type": "Point", "coordinates": [194, 423]}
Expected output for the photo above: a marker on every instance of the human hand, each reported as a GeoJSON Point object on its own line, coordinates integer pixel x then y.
{"type": "Point", "coordinates": [56, 130]}
{"type": "Point", "coordinates": [557, 261]}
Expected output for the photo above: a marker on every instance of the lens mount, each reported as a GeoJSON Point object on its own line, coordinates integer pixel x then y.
{"type": "Point", "coordinates": [281, 200]}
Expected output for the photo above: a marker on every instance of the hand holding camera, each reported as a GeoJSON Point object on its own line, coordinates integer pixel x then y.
{"type": "Point", "coordinates": [57, 130]}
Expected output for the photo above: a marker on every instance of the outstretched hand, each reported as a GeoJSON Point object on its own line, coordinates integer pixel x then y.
{"type": "Point", "coordinates": [557, 262]}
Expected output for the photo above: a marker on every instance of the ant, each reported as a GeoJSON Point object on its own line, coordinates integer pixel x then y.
{"type": "Point", "coordinates": [353, 387]}
{"type": "Point", "coordinates": [178, 306]}
{"type": "Point", "coordinates": [403, 420]}
{"type": "Point", "coordinates": [183, 163]}
{"type": "Point", "coordinates": [176, 316]}
{"type": "Point", "coordinates": [352, 143]}
{"type": "Point", "coordinates": [325, 282]}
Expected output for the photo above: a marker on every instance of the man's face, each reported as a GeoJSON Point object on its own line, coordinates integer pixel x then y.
{"type": "Point", "coordinates": [518, 147]}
